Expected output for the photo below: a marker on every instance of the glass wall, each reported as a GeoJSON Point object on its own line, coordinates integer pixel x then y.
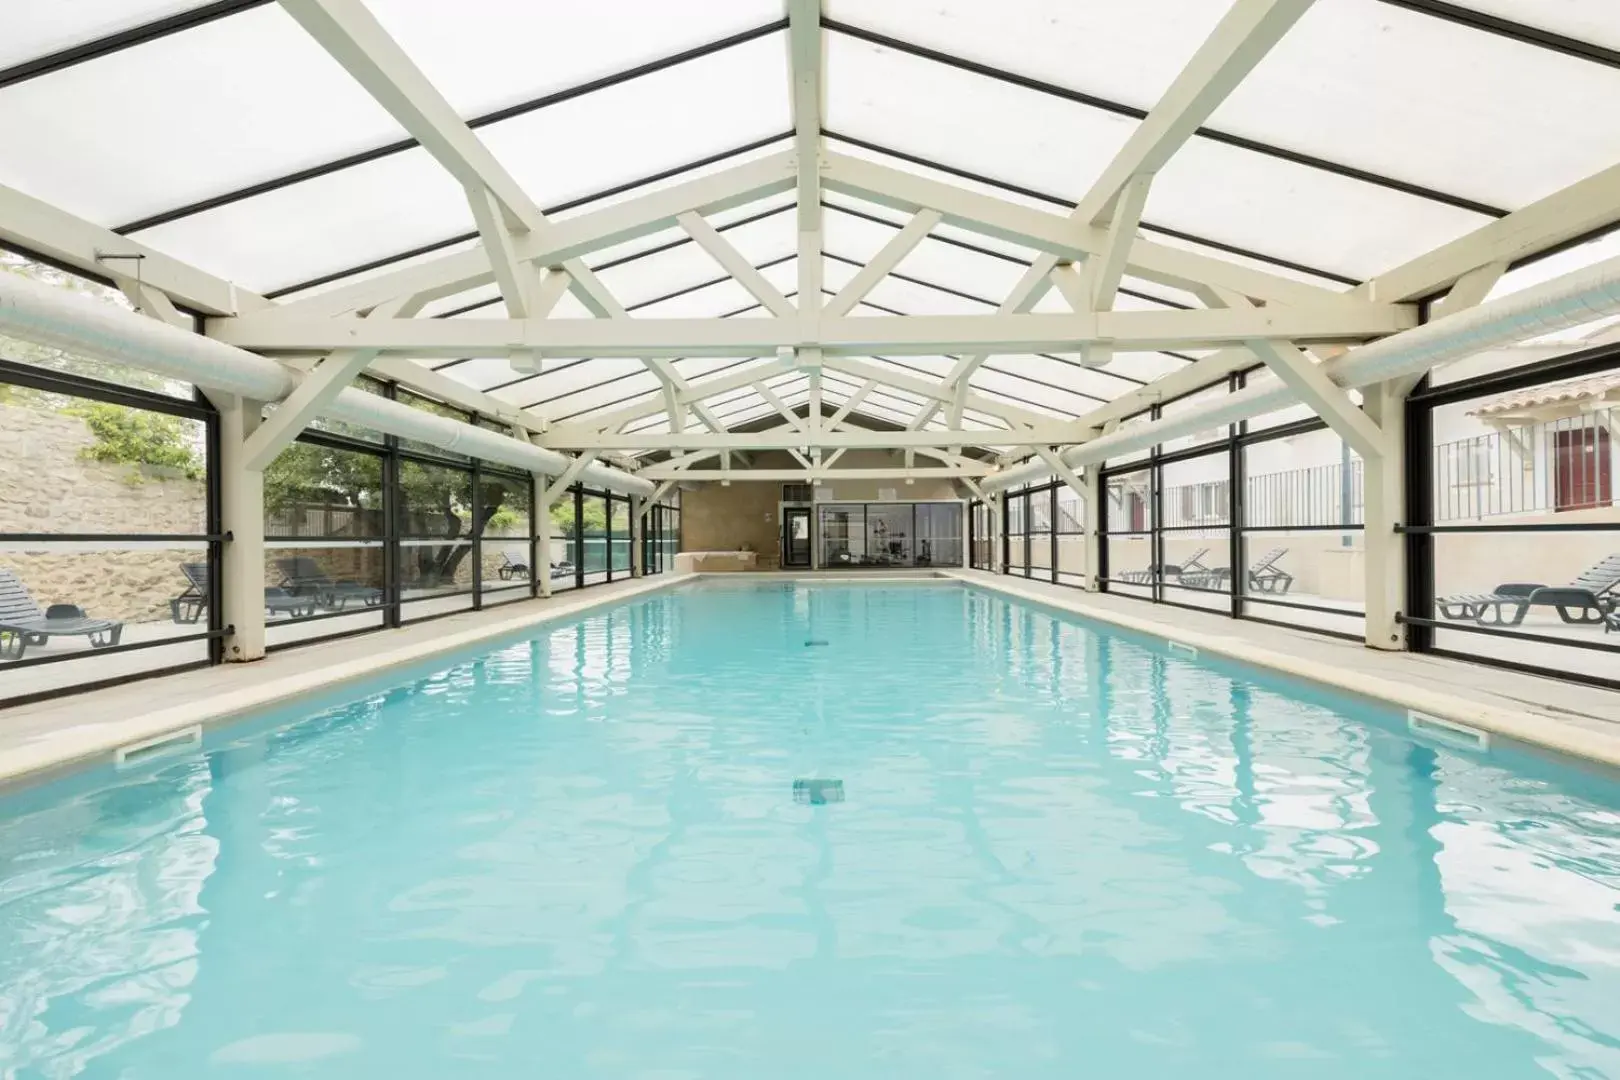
{"type": "Point", "coordinates": [661, 534]}
{"type": "Point", "coordinates": [983, 535]}
{"type": "Point", "coordinates": [109, 537]}
{"type": "Point", "coordinates": [1514, 541]}
{"type": "Point", "coordinates": [865, 535]}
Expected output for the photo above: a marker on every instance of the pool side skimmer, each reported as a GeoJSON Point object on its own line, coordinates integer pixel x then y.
{"type": "Point", "coordinates": [1449, 732]}
{"type": "Point", "coordinates": [1181, 647]}
{"type": "Point", "coordinates": [158, 746]}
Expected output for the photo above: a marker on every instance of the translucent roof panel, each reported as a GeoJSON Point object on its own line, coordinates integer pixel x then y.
{"type": "Point", "coordinates": [37, 28]}
{"type": "Point", "coordinates": [332, 223]}
{"type": "Point", "coordinates": [921, 107]}
{"type": "Point", "coordinates": [183, 117]}
{"type": "Point", "coordinates": [1129, 52]}
{"type": "Point", "coordinates": [493, 53]}
{"type": "Point", "coordinates": [1584, 20]}
{"type": "Point", "coordinates": [1342, 85]}
{"type": "Point", "coordinates": [624, 132]}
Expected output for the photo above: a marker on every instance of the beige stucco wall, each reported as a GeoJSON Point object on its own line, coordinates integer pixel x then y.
{"type": "Point", "coordinates": [716, 518]}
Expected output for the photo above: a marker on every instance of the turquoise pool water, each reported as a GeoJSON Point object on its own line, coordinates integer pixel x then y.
{"type": "Point", "coordinates": [961, 838]}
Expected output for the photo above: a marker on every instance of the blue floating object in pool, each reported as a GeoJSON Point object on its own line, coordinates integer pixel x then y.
{"type": "Point", "coordinates": [818, 792]}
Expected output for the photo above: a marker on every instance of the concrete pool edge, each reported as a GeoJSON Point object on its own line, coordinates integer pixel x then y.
{"type": "Point", "coordinates": [1544, 731]}
{"type": "Point", "coordinates": [70, 748]}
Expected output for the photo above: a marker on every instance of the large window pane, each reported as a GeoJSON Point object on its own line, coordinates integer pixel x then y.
{"type": "Point", "coordinates": [843, 534]}
{"type": "Point", "coordinates": [1196, 542]}
{"type": "Point", "coordinates": [1070, 524]}
{"type": "Point", "coordinates": [73, 465]}
{"type": "Point", "coordinates": [315, 491]}
{"type": "Point", "coordinates": [67, 603]}
{"type": "Point", "coordinates": [1530, 473]}
{"type": "Point", "coordinates": [1303, 542]}
{"type": "Point", "coordinates": [505, 504]}
{"type": "Point", "coordinates": [619, 536]}
{"type": "Point", "coordinates": [889, 536]}
{"type": "Point", "coordinates": [939, 534]}
{"type": "Point", "coordinates": [1040, 534]}
{"type": "Point", "coordinates": [565, 543]}
{"type": "Point", "coordinates": [593, 526]}
{"type": "Point", "coordinates": [315, 589]}
{"type": "Point", "coordinates": [1128, 515]}
{"type": "Point", "coordinates": [1018, 534]}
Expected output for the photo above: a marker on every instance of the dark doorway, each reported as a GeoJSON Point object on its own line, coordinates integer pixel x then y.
{"type": "Point", "coordinates": [1581, 465]}
{"type": "Point", "coordinates": [796, 537]}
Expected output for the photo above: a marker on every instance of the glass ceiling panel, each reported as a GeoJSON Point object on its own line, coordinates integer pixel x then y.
{"type": "Point", "coordinates": [183, 117]}
{"type": "Point", "coordinates": [1155, 234]}
{"type": "Point", "coordinates": [1343, 82]}
{"type": "Point", "coordinates": [708, 302]}
{"type": "Point", "coordinates": [924, 108]}
{"type": "Point", "coordinates": [36, 28]}
{"type": "Point", "coordinates": [493, 53]}
{"type": "Point", "coordinates": [328, 224]}
{"type": "Point", "coordinates": [1129, 52]}
{"type": "Point", "coordinates": [1596, 21]}
{"type": "Point", "coordinates": [623, 132]}
{"type": "Point", "coordinates": [1298, 213]}
{"type": "Point", "coordinates": [480, 372]}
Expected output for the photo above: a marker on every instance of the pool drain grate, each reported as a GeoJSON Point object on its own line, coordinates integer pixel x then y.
{"type": "Point", "coordinates": [814, 641]}
{"type": "Point", "coordinates": [818, 792]}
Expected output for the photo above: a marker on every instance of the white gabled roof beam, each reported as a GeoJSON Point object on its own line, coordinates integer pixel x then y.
{"type": "Point", "coordinates": [847, 336]}
{"type": "Point", "coordinates": [1239, 41]}
{"type": "Point", "coordinates": [806, 61]}
{"type": "Point", "coordinates": [737, 265]}
{"type": "Point", "coordinates": [883, 263]}
{"type": "Point", "coordinates": [355, 39]}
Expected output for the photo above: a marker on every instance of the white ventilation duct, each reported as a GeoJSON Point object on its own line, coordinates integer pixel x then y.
{"type": "Point", "coordinates": [1571, 300]}
{"type": "Point", "coordinates": [62, 320]}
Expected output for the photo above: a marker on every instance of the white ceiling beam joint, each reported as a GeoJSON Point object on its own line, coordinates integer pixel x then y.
{"type": "Point", "coordinates": [1329, 401]}
{"type": "Point", "coordinates": [566, 480]}
{"type": "Point", "coordinates": [883, 263]}
{"type": "Point", "coordinates": [1243, 37]}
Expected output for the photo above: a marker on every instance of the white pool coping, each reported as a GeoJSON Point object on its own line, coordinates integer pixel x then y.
{"type": "Point", "coordinates": [46, 739]}
{"type": "Point", "coordinates": [1403, 680]}
{"type": "Point", "coordinates": [58, 747]}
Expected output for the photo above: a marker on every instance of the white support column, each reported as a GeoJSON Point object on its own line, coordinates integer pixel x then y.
{"type": "Point", "coordinates": [1091, 507]}
{"type": "Point", "coordinates": [1384, 498]}
{"type": "Point", "coordinates": [242, 516]}
{"type": "Point", "coordinates": [637, 510]}
{"type": "Point", "coordinates": [542, 560]}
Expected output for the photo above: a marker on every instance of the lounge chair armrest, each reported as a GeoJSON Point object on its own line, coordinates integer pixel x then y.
{"type": "Point", "coordinates": [65, 611]}
{"type": "Point", "coordinates": [1518, 588]}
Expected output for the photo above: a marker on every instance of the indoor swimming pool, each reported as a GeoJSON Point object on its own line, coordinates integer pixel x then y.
{"type": "Point", "coordinates": [842, 829]}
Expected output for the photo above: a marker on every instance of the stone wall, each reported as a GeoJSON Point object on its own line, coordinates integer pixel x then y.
{"type": "Point", "coordinates": [46, 487]}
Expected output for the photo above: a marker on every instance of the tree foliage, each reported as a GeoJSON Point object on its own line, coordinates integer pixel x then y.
{"type": "Point", "coordinates": [125, 436]}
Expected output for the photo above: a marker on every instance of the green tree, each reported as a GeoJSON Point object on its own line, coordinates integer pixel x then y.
{"type": "Point", "coordinates": [126, 436]}
{"type": "Point", "coordinates": [434, 501]}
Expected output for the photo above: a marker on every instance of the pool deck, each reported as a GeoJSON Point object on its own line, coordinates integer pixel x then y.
{"type": "Point", "coordinates": [42, 739]}
{"type": "Point", "coordinates": [1570, 718]}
